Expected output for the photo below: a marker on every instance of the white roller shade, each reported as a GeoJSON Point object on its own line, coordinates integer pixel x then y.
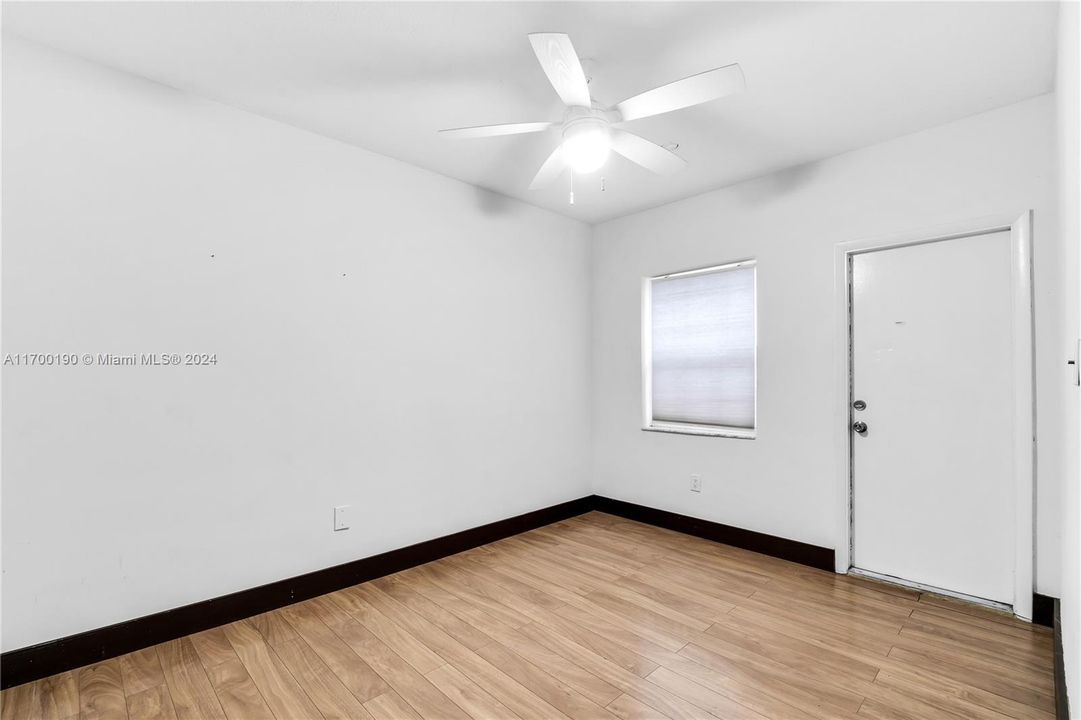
{"type": "Point", "coordinates": [703, 348]}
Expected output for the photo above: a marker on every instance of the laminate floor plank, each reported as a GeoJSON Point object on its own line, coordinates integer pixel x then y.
{"type": "Point", "coordinates": [772, 704]}
{"type": "Point", "coordinates": [600, 549]}
{"type": "Point", "coordinates": [21, 701]}
{"type": "Point", "coordinates": [585, 562]}
{"type": "Point", "coordinates": [720, 705]}
{"type": "Point", "coordinates": [319, 682]}
{"type": "Point", "coordinates": [390, 706]}
{"type": "Point", "coordinates": [274, 628]}
{"type": "Point", "coordinates": [951, 618]}
{"type": "Point", "coordinates": [645, 617]}
{"type": "Point", "coordinates": [743, 670]}
{"type": "Point", "coordinates": [931, 600]}
{"type": "Point", "coordinates": [469, 696]}
{"type": "Point", "coordinates": [687, 602]}
{"type": "Point", "coordinates": [550, 568]}
{"type": "Point", "coordinates": [595, 617]}
{"type": "Point", "coordinates": [624, 656]}
{"type": "Point", "coordinates": [958, 698]}
{"type": "Point", "coordinates": [551, 690]}
{"type": "Point", "coordinates": [286, 699]}
{"type": "Point", "coordinates": [101, 692]}
{"type": "Point", "coordinates": [475, 595]}
{"type": "Point", "coordinates": [592, 614]}
{"type": "Point", "coordinates": [402, 677]}
{"type": "Point", "coordinates": [59, 696]}
{"type": "Point", "coordinates": [153, 703]}
{"type": "Point", "coordinates": [444, 646]}
{"type": "Point", "coordinates": [1031, 651]}
{"type": "Point", "coordinates": [552, 663]}
{"type": "Point", "coordinates": [410, 649]}
{"type": "Point", "coordinates": [447, 621]}
{"type": "Point", "coordinates": [213, 647]}
{"type": "Point", "coordinates": [141, 671]}
{"type": "Point", "coordinates": [641, 689]}
{"type": "Point", "coordinates": [628, 708]}
{"type": "Point", "coordinates": [800, 655]}
{"type": "Point", "coordinates": [51, 698]}
{"type": "Point", "coordinates": [695, 581]}
{"type": "Point", "coordinates": [480, 618]}
{"type": "Point", "coordinates": [237, 692]}
{"type": "Point", "coordinates": [350, 668]}
{"type": "Point", "coordinates": [513, 593]}
{"type": "Point", "coordinates": [992, 680]}
{"type": "Point", "coordinates": [787, 666]}
{"type": "Point", "coordinates": [189, 687]}
{"type": "Point", "coordinates": [530, 576]}
{"type": "Point", "coordinates": [506, 689]}
{"type": "Point", "coordinates": [473, 667]}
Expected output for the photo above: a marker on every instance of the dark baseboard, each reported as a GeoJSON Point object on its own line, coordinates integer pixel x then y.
{"type": "Point", "coordinates": [798, 552]}
{"type": "Point", "coordinates": [1043, 610]}
{"type": "Point", "coordinates": [48, 658]}
{"type": "Point", "coordinates": [1062, 703]}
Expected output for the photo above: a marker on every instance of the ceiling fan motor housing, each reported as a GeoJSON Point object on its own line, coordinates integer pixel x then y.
{"type": "Point", "coordinates": [575, 114]}
{"type": "Point", "coordinates": [583, 124]}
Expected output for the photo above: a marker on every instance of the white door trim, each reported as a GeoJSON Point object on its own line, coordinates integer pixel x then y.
{"type": "Point", "coordinates": [1024, 402]}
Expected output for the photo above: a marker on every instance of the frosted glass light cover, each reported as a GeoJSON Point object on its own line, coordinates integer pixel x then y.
{"type": "Point", "coordinates": [586, 147]}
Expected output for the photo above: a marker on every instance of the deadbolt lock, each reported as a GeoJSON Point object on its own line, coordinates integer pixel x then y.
{"type": "Point", "coordinates": [859, 405]}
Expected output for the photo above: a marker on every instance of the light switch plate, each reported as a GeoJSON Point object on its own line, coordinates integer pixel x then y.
{"type": "Point", "coordinates": [341, 518]}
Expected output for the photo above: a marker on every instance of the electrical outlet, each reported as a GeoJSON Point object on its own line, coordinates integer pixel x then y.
{"type": "Point", "coordinates": [341, 518]}
{"type": "Point", "coordinates": [696, 483]}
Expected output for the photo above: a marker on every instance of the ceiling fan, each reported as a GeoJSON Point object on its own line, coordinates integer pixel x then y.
{"type": "Point", "coordinates": [590, 131]}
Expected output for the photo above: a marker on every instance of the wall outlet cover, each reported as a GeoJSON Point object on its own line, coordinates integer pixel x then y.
{"type": "Point", "coordinates": [341, 518]}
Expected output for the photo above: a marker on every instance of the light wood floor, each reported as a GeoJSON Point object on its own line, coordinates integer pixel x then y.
{"type": "Point", "coordinates": [595, 617]}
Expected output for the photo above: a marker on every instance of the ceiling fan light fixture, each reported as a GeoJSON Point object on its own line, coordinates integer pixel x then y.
{"type": "Point", "coordinates": [588, 138]}
{"type": "Point", "coordinates": [586, 145]}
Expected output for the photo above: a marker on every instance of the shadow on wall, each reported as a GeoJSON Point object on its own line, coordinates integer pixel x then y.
{"type": "Point", "coordinates": [776, 184]}
{"type": "Point", "coordinates": [492, 203]}
{"type": "Point", "coordinates": [514, 160]}
{"type": "Point", "coordinates": [759, 189]}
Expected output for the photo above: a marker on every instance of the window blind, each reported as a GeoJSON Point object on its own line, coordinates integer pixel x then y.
{"type": "Point", "coordinates": [703, 348]}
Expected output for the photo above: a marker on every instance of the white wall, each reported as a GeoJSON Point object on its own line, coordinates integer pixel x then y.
{"type": "Point", "coordinates": [132, 490]}
{"type": "Point", "coordinates": [1068, 95]}
{"type": "Point", "coordinates": [783, 483]}
{"type": "Point", "coordinates": [386, 338]}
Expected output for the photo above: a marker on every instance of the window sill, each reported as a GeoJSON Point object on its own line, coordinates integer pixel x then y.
{"type": "Point", "coordinates": [703, 430]}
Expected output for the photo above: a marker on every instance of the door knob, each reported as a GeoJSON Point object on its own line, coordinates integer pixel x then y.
{"type": "Point", "coordinates": [859, 426]}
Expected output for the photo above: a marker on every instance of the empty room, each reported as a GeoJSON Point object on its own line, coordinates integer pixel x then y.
{"type": "Point", "coordinates": [540, 360]}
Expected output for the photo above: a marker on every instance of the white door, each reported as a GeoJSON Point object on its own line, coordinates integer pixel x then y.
{"type": "Point", "coordinates": [932, 359]}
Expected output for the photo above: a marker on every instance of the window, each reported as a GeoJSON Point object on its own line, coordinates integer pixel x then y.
{"type": "Point", "coordinates": [698, 346]}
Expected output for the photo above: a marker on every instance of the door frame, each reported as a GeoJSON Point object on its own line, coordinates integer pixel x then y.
{"type": "Point", "coordinates": [1024, 401]}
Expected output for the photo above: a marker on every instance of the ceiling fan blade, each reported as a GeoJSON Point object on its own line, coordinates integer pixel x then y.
{"type": "Point", "coordinates": [693, 90]}
{"type": "Point", "coordinates": [647, 154]}
{"type": "Point", "coordinates": [479, 131]}
{"type": "Point", "coordinates": [552, 168]}
{"type": "Point", "coordinates": [560, 63]}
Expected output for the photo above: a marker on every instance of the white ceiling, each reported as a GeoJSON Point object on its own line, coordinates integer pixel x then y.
{"type": "Point", "coordinates": [822, 78]}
